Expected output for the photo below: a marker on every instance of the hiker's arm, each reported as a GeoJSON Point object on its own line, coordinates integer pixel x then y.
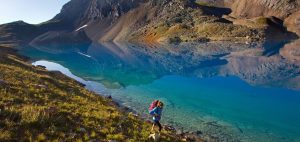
{"type": "Point", "coordinates": [153, 112]}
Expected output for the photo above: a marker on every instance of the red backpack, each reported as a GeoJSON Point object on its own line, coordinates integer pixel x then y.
{"type": "Point", "coordinates": [153, 105]}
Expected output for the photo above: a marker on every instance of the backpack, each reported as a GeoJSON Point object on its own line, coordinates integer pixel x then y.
{"type": "Point", "coordinates": [153, 105]}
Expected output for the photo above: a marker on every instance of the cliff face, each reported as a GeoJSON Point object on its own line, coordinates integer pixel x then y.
{"type": "Point", "coordinates": [255, 8]}
{"type": "Point", "coordinates": [148, 21]}
{"type": "Point", "coordinates": [286, 10]}
{"type": "Point", "coordinates": [17, 32]}
{"type": "Point", "coordinates": [78, 12]}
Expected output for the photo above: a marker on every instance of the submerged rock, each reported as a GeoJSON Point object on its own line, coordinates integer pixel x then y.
{"type": "Point", "coordinates": [169, 128]}
{"type": "Point", "coordinates": [40, 66]}
{"type": "Point", "coordinates": [109, 97]}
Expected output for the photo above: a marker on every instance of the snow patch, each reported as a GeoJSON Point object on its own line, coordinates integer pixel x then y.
{"type": "Point", "coordinates": [81, 27]}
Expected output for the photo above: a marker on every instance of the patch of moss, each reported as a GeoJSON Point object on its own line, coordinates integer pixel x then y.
{"type": "Point", "coordinates": [261, 21]}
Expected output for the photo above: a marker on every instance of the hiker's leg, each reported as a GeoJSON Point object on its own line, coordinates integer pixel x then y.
{"type": "Point", "coordinates": [153, 125]}
{"type": "Point", "coordinates": [159, 125]}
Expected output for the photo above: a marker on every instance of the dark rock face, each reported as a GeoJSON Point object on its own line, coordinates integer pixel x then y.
{"type": "Point", "coordinates": [78, 12]}
{"type": "Point", "coordinates": [17, 32]}
{"type": "Point", "coordinates": [60, 37]}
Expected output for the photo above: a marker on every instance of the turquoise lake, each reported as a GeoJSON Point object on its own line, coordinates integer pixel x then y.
{"type": "Point", "coordinates": [235, 92]}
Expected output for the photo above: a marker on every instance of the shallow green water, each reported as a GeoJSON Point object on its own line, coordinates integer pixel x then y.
{"type": "Point", "coordinates": [230, 96]}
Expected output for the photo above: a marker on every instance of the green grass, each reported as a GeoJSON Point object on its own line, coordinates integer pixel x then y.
{"type": "Point", "coordinates": [37, 105]}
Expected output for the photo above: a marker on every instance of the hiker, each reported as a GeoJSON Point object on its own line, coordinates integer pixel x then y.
{"type": "Point", "coordinates": [157, 112]}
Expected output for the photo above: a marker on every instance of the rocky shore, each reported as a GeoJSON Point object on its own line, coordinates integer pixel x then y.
{"type": "Point", "coordinates": [186, 136]}
{"type": "Point", "coordinates": [181, 134]}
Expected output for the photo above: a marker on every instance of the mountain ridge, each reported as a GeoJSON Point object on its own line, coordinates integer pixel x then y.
{"type": "Point", "coordinates": [164, 21]}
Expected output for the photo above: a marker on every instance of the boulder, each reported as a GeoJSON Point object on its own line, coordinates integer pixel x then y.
{"type": "Point", "coordinates": [109, 97]}
{"type": "Point", "coordinates": [169, 128]}
{"type": "Point", "coordinates": [179, 132]}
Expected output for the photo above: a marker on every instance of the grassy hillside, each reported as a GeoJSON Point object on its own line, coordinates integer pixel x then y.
{"type": "Point", "coordinates": [37, 105]}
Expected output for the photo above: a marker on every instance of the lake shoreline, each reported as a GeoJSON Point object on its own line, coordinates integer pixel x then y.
{"type": "Point", "coordinates": [184, 136]}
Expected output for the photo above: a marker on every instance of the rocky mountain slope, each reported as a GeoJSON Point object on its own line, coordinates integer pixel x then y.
{"type": "Point", "coordinates": [157, 21]}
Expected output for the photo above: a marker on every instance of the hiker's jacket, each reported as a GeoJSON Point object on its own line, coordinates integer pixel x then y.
{"type": "Point", "coordinates": [156, 112]}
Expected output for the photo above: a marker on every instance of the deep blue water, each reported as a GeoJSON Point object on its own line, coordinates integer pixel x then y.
{"type": "Point", "coordinates": [205, 87]}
